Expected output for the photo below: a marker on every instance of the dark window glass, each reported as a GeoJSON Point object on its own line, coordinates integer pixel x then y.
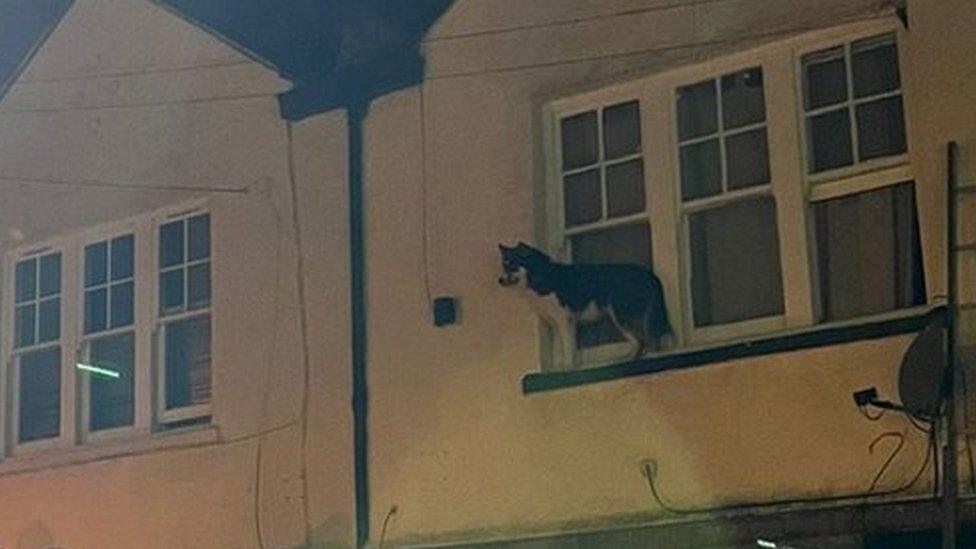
{"type": "Point", "coordinates": [111, 404]}
{"type": "Point", "coordinates": [579, 140]}
{"type": "Point", "coordinates": [49, 320]}
{"type": "Point", "coordinates": [880, 128]}
{"type": "Point", "coordinates": [199, 237]}
{"type": "Point", "coordinates": [39, 407]}
{"type": "Point", "coordinates": [198, 286]}
{"type": "Point", "coordinates": [582, 198]}
{"type": "Point", "coordinates": [747, 159]}
{"type": "Point", "coordinates": [697, 110]}
{"type": "Point", "coordinates": [188, 362]}
{"type": "Point", "coordinates": [26, 280]}
{"type": "Point", "coordinates": [868, 253]}
{"type": "Point", "coordinates": [171, 291]}
{"type": "Point", "coordinates": [825, 79]}
{"type": "Point", "coordinates": [96, 264]}
{"type": "Point", "coordinates": [122, 305]}
{"type": "Point", "coordinates": [830, 141]}
{"type": "Point", "coordinates": [743, 101]}
{"type": "Point", "coordinates": [875, 65]}
{"type": "Point", "coordinates": [123, 252]}
{"type": "Point", "coordinates": [50, 283]}
{"type": "Point", "coordinates": [171, 244]}
{"type": "Point", "coordinates": [24, 332]}
{"type": "Point", "coordinates": [735, 262]}
{"type": "Point", "coordinates": [701, 170]}
{"type": "Point", "coordinates": [621, 130]}
{"type": "Point", "coordinates": [96, 310]}
{"type": "Point", "coordinates": [625, 188]}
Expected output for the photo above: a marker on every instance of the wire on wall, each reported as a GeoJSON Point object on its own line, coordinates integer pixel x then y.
{"type": "Point", "coordinates": [303, 323]}
{"type": "Point", "coordinates": [573, 21]}
{"type": "Point", "coordinates": [425, 242]}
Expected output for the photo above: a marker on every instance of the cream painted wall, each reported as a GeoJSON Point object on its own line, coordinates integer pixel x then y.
{"type": "Point", "coordinates": [455, 445]}
{"type": "Point", "coordinates": [125, 109]}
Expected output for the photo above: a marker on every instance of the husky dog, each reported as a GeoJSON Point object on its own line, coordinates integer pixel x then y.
{"type": "Point", "coordinates": [629, 294]}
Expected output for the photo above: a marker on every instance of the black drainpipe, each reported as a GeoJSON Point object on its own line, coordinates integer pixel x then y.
{"type": "Point", "coordinates": [355, 118]}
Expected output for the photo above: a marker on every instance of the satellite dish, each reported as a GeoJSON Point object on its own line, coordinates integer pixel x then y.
{"type": "Point", "coordinates": [922, 374]}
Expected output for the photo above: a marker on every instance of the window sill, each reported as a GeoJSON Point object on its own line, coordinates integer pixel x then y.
{"type": "Point", "coordinates": [835, 333]}
{"type": "Point", "coordinates": [136, 443]}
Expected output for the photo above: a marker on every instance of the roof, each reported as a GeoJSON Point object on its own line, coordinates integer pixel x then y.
{"type": "Point", "coordinates": [338, 53]}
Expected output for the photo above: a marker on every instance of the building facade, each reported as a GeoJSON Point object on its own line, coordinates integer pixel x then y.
{"type": "Point", "coordinates": [183, 339]}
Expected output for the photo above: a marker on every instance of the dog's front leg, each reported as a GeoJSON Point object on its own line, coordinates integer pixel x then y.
{"type": "Point", "coordinates": [637, 342]}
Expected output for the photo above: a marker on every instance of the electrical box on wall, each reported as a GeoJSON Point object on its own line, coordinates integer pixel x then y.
{"type": "Point", "coordinates": [445, 311]}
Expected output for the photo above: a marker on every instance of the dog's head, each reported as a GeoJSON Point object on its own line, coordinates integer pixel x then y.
{"type": "Point", "coordinates": [536, 264]}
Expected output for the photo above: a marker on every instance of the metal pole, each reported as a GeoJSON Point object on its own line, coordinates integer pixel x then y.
{"type": "Point", "coordinates": [950, 476]}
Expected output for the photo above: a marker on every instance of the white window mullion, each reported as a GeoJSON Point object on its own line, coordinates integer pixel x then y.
{"type": "Point", "coordinates": [145, 288]}
{"type": "Point", "coordinates": [70, 343]}
{"type": "Point", "coordinates": [787, 178]}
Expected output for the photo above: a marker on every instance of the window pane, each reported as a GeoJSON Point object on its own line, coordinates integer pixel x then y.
{"type": "Point", "coordinates": [24, 326]}
{"type": "Point", "coordinates": [111, 398]}
{"type": "Point", "coordinates": [735, 262]}
{"type": "Point", "coordinates": [824, 79]}
{"type": "Point", "coordinates": [625, 188]}
{"type": "Point", "coordinates": [701, 170]}
{"type": "Point", "coordinates": [171, 291]}
{"type": "Point", "coordinates": [123, 257]}
{"type": "Point", "coordinates": [96, 261]}
{"type": "Point", "coordinates": [95, 310]}
{"type": "Point", "coordinates": [581, 198]}
{"type": "Point", "coordinates": [50, 275]}
{"type": "Point", "coordinates": [39, 408]}
{"type": "Point", "coordinates": [187, 348]}
{"type": "Point", "coordinates": [621, 130]}
{"type": "Point", "coordinates": [625, 244]}
{"type": "Point", "coordinates": [49, 321]}
{"type": "Point", "coordinates": [748, 159]}
{"type": "Point", "coordinates": [868, 253]}
{"type": "Point", "coordinates": [26, 280]}
{"type": "Point", "coordinates": [875, 65]}
{"type": "Point", "coordinates": [171, 244]}
{"type": "Point", "coordinates": [579, 141]}
{"type": "Point", "coordinates": [880, 128]}
{"type": "Point", "coordinates": [122, 299]}
{"type": "Point", "coordinates": [199, 237]}
{"type": "Point", "coordinates": [697, 110]}
{"type": "Point", "coordinates": [198, 286]}
{"type": "Point", "coordinates": [743, 102]}
{"type": "Point", "coordinates": [829, 138]}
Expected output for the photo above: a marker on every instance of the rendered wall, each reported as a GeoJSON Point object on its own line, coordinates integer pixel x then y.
{"type": "Point", "coordinates": [127, 108]}
{"type": "Point", "coordinates": [455, 446]}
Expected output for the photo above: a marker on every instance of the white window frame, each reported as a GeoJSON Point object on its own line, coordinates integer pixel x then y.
{"type": "Point", "coordinates": [861, 174]}
{"type": "Point", "coordinates": [146, 327]}
{"type": "Point", "coordinates": [162, 321]}
{"type": "Point", "coordinates": [792, 189]}
{"type": "Point", "coordinates": [14, 354]}
{"type": "Point", "coordinates": [142, 283]}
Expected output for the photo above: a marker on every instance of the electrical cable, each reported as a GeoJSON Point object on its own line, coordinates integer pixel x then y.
{"type": "Point", "coordinates": [103, 184]}
{"type": "Point", "coordinates": [389, 514]}
{"type": "Point", "coordinates": [425, 243]}
{"type": "Point", "coordinates": [257, 497]}
{"type": "Point", "coordinates": [659, 500]}
{"type": "Point", "coordinates": [571, 22]}
{"type": "Point", "coordinates": [891, 457]}
{"type": "Point", "coordinates": [303, 323]}
{"type": "Point", "coordinates": [868, 416]}
{"type": "Point", "coordinates": [638, 52]}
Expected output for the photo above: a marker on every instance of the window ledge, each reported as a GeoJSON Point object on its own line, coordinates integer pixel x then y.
{"type": "Point", "coordinates": [135, 444]}
{"type": "Point", "coordinates": [891, 324]}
